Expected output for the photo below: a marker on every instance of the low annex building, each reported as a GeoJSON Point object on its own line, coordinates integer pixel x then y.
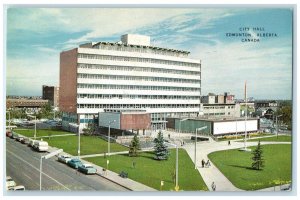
{"type": "Point", "coordinates": [215, 127]}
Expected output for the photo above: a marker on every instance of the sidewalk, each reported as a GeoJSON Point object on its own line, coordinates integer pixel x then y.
{"type": "Point", "coordinates": [212, 173]}
{"type": "Point", "coordinates": [114, 177]}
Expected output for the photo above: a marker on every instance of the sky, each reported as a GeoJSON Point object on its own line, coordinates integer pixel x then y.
{"type": "Point", "coordinates": [36, 36]}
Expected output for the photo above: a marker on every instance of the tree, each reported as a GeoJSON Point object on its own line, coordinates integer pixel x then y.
{"type": "Point", "coordinates": [285, 111]}
{"type": "Point", "coordinates": [45, 112]}
{"type": "Point", "coordinates": [134, 146]}
{"type": "Point", "coordinates": [258, 161]}
{"type": "Point", "coordinates": [89, 130]}
{"type": "Point", "coordinates": [160, 149]}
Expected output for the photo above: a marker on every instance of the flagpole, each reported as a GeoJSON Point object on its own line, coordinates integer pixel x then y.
{"type": "Point", "coordinates": [245, 116]}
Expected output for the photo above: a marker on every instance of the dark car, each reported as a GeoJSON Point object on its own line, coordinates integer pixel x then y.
{"type": "Point", "coordinates": [74, 163]}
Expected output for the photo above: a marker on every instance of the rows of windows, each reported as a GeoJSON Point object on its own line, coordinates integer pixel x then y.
{"type": "Point", "coordinates": [122, 96]}
{"type": "Point", "coordinates": [137, 78]}
{"type": "Point", "coordinates": [215, 113]}
{"type": "Point", "coordinates": [133, 106]}
{"type": "Point", "coordinates": [137, 87]}
{"type": "Point", "coordinates": [217, 107]}
{"type": "Point", "coordinates": [136, 59]}
{"type": "Point", "coordinates": [137, 69]}
{"type": "Point", "coordinates": [140, 50]}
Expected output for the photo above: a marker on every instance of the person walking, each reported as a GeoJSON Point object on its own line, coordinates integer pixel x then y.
{"type": "Point", "coordinates": [207, 163]}
{"type": "Point", "coordinates": [203, 163]}
{"type": "Point", "coordinates": [213, 186]}
{"type": "Point", "coordinates": [228, 142]}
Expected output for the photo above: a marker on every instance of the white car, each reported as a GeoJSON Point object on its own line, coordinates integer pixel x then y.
{"type": "Point", "coordinates": [10, 183]}
{"type": "Point", "coordinates": [64, 158]}
{"type": "Point", "coordinates": [17, 188]}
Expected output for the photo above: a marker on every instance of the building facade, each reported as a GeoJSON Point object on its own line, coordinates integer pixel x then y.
{"type": "Point", "coordinates": [51, 93]}
{"type": "Point", "coordinates": [130, 74]}
{"type": "Point", "coordinates": [215, 127]}
{"type": "Point", "coordinates": [215, 106]}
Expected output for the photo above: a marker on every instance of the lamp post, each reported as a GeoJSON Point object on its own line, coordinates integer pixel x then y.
{"type": "Point", "coordinates": [8, 118]}
{"type": "Point", "coordinates": [176, 185]}
{"type": "Point", "coordinates": [180, 125]}
{"type": "Point", "coordinates": [197, 129]}
{"type": "Point", "coordinates": [31, 116]}
{"type": "Point", "coordinates": [277, 124]}
{"type": "Point", "coordinates": [78, 136]}
{"type": "Point", "coordinates": [109, 123]}
{"type": "Point", "coordinates": [46, 157]}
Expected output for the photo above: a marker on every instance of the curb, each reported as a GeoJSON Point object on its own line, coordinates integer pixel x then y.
{"type": "Point", "coordinates": [114, 181]}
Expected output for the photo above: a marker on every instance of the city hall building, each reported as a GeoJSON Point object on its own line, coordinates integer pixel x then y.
{"type": "Point", "coordinates": [129, 74]}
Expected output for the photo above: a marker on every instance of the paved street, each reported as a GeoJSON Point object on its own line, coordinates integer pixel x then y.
{"type": "Point", "coordinates": [22, 164]}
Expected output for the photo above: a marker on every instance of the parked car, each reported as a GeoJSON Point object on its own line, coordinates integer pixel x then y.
{"type": "Point", "coordinates": [64, 158]}
{"type": "Point", "coordinates": [25, 141]}
{"type": "Point", "coordinates": [31, 142]}
{"type": "Point", "coordinates": [20, 138]}
{"type": "Point", "coordinates": [74, 163]}
{"type": "Point", "coordinates": [14, 135]}
{"type": "Point", "coordinates": [10, 183]}
{"type": "Point", "coordinates": [8, 133]}
{"type": "Point", "coordinates": [87, 169]}
{"type": "Point", "coordinates": [40, 145]}
{"type": "Point", "coordinates": [18, 188]}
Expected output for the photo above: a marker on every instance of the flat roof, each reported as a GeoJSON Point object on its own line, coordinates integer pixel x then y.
{"type": "Point", "coordinates": [223, 119]}
{"type": "Point", "coordinates": [141, 46]}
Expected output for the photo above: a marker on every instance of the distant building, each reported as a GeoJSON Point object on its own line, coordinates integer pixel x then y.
{"type": "Point", "coordinates": [51, 93]}
{"type": "Point", "coordinates": [220, 105]}
{"type": "Point", "coordinates": [265, 104]}
{"type": "Point", "coordinates": [25, 103]}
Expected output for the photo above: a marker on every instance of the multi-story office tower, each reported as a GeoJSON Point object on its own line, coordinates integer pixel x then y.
{"type": "Point", "coordinates": [51, 93]}
{"type": "Point", "coordinates": [129, 74]}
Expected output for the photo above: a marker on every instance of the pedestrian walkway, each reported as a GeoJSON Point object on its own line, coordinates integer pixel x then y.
{"type": "Point", "coordinates": [112, 176]}
{"type": "Point", "coordinates": [212, 174]}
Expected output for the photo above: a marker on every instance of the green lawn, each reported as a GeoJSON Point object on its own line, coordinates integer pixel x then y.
{"type": "Point", "coordinates": [150, 172]}
{"type": "Point", "coordinates": [281, 138]}
{"type": "Point", "coordinates": [236, 166]}
{"type": "Point", "coordinates": [88, 145]}
{"type": "Point", "coordinates": [233, 137]}
{"type": "Point", "coordinates": [40, 132]}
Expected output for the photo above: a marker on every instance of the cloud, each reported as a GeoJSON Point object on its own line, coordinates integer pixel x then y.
{"type": "Point", "coordinates": [26, 76]}
{"type": "Point", "coordinates": [267, 67]}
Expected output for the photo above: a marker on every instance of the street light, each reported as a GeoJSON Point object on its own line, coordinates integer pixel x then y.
{"type": "Point", "coordinates": [109, 123]}
{"type": "Point", "coordinates": [176, 186]}
{"type": "Point", "coordinates": [8, 118]}
{"type": "Point", "coordinates": [180, 125]}
{"type": "Point", "coordinates": [31, 116]}
{"type": "Point", "coordinates": [197, 129]}
{"type": "Point", "coordinates": [78, 137]}
{"type": "Point", "coordinates": [46, 157]}
{"type": "Point", "coordinates": [277, 124]}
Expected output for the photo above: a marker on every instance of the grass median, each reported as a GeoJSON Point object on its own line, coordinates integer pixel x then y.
{"type": "Point", "coordinates": [40, 132]}
{"type": "Point", "coordinates": [151, 172]}
{"type": "Point", "coordinates": [280, 138]}
{"type": "Point", "coordinates": [88, 145]}
{"type": "Point", "coordinates": [236, 166]}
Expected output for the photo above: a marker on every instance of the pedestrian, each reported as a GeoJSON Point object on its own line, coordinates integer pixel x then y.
{"type": "Point", "coordinates": [228, 142]}
{"type": "Point", "coordinates": [203, 163]}
{"type": "Point", "coordinates": [213, 186]}
{"type": "Point", "coordinates": [133, 164]}
{"type": "Point", "coordinates": [207, 163]}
